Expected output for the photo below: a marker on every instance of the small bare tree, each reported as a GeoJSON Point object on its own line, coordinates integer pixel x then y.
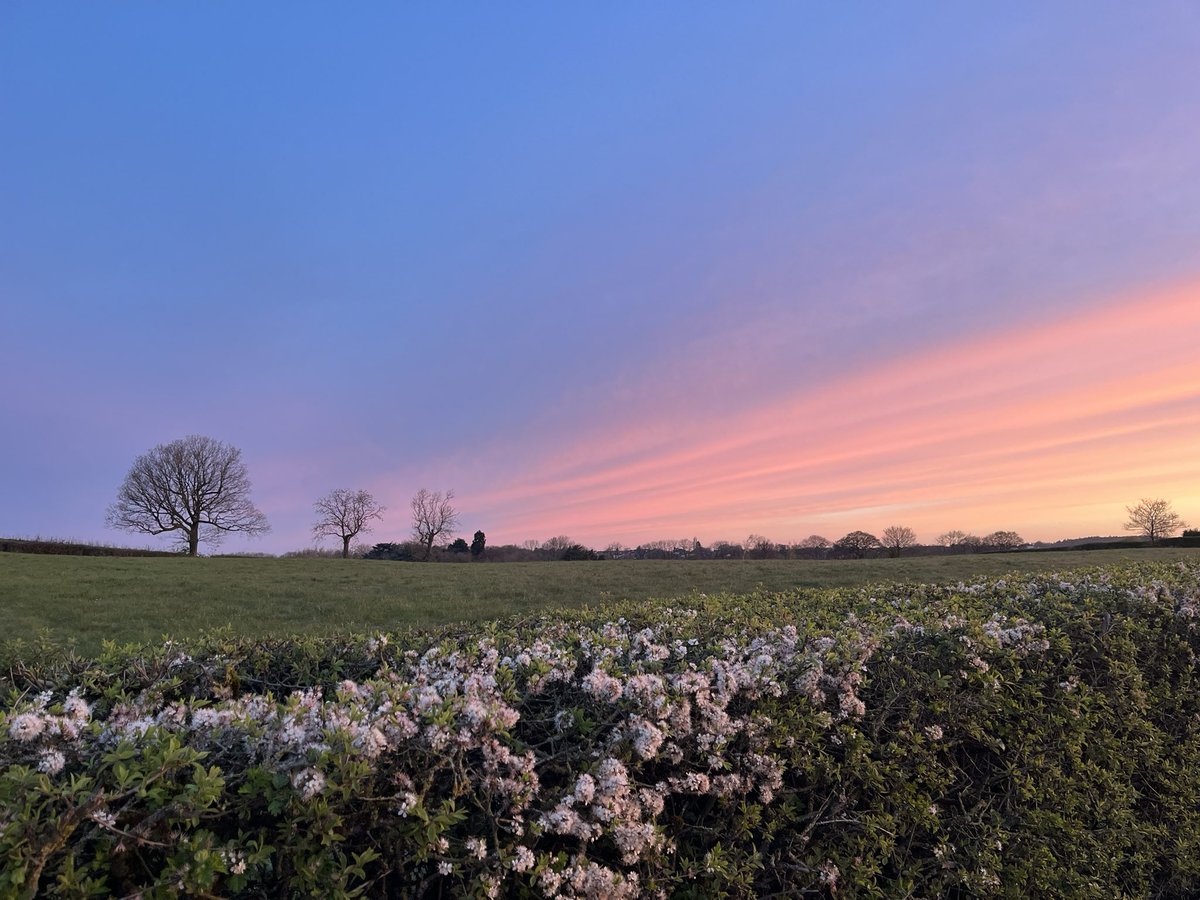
{"type": "Point", "coordinates": [951, 538]}
{"type": "Point", "coordinates": [759, 546]}
{"type": "Point", "coordinates": [812, 547]}
{"type": "Point", "coordinates": [1005, 540]}
{"type": "Point", "coordinates": [897, 538]}
{"type": "Point", "coordinates": [556, 545]}
{"type": "Point", "coordinates": [728, 550]}
{"type": "Point", "coordinates": [345, 514]}
{"type": "Point", "coordinates": [815, 542]}
{"type": "Point", "coordinates": [1153, 518]}
{"type": "Point", "coordinates": [972, 542]}
{"type": "Point", "coordinates": [433, 516]}
{"type": "Point", "coordinates": [195, 486]}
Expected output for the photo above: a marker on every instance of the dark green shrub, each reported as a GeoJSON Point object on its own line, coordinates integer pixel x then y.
{"type": "Point", "coordinates": [395, 552]}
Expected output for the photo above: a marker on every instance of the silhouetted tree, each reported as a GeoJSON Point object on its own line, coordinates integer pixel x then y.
{"type": "Point", "coordinates": [950, 538]}
{"type": "Point", "coordinates": [478, 545]}
{"type": "Point", "coordinates": [727, 550]}
{"type": "Point", "coordinates": [1153, 518]}
{"type": "Point", "coordinates": [897, 538]}
{"type": "Point", "coordinates": [812, 547]}
{"type": "Point", "coordinates": [345, 514]}
{"type": "Point", "coordinates": [195, 486]}
{"type": "Point", "coordinates": [970, 542]}
{"type": "Point", "coordinates": [398, 552]}
{"type": "Point", "coordinates": [1004, 540]}
{"type": "Point", "coordinates": [856, 544]}
{"type": "Point", "coordinates": [759, 547]}
{"type": "Point", "coordinates": [577, 552]}
{"type": "Point", "coordinates": [556, 545]}
{"type": "Point", "coordinates": [459, 545]}
{"type": "Point", "coordinates": [433, 516]}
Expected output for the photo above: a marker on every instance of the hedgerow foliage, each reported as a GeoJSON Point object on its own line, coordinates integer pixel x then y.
{"type": "Point", "coordinates": [1038, 736]}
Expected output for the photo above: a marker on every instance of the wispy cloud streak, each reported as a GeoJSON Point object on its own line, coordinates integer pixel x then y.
{"type": "Point", "coordinates": [1044, 426]}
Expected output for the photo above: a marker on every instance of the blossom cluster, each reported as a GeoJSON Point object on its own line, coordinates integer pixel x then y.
{"type": "Point", "coordinates": [574, 744]}
{"type": "Point", "coordinates": [678, 716]}
{"type": "Point", "coordinates": [50, 730]}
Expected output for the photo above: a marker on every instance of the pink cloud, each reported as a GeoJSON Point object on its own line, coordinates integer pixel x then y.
{"type": "Point", "coordinates": [1048, 427]}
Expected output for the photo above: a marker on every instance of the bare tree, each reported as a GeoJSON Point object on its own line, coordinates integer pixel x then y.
{"type": "Point", "coordinates": [728, 550]}
{"type": "Point", "coordinates": [971, 542]}
{"type": "Point", "coordinates": [556, 544]}
{"type": "Point", "coordinates": [195, 486]}
{"type": "Point", "coordinates": [1153, 518]}
{"type": "Point", "coordinates": [760, 546]}
{"type": "Point", "coordinates": [814, 546]}
{"type": "Point", "coordinates": [433, 516]}
{"type": "Point", "coordinates": [1006, 540]}
{"type": "Point", "coordinates": [951, 538]}
{"type": "Point", "coordinates": [815, 542]}
{"type": "Point", "coordinates": [856, 544]}
{"type": "Point", "coordinates": [897, 538]}
{"type": "Point", "coordinates": [345, 514]}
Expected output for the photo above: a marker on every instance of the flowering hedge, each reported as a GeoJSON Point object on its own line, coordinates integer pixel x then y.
{"type": "Point", "coordinates": [1036, 736]}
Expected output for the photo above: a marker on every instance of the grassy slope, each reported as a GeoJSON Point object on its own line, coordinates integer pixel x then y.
{"type": "Point", "coordinates": [142, 599]}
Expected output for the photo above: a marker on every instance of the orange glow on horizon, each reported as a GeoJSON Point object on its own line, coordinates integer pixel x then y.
{"type": "Point", "coordinates": [1049, 429]}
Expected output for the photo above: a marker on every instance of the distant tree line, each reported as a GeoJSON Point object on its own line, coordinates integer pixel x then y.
{"type": "Point", "coordinates": [198, 490]}
{"type": "Point", "coordinates": [896, 540]}
{"type": "Point", "coordinates": [553, 549]}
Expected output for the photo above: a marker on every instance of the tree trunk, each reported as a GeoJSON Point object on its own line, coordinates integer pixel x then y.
{"type": "Point", "coordinates": [345, 546]}
{"type": "Point", "coordinates": [193, 539]}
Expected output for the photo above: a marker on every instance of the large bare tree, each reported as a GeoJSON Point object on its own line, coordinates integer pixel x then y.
{"type": "Point", "coordinates": [897, 538]}
{"type": "Point", "coordinates": [345, 514]}
{"type": "Point", "coordinates": [195, 486]}
{"type": "Point", "coordinates": [1153, 518]}
{"type": "Point", "coordinates": [433, 516]}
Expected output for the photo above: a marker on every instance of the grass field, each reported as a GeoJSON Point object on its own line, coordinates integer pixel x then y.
{"type": "Point", "coordinates": [90, 599]}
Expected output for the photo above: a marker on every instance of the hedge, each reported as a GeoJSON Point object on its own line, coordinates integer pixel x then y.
{"type": "Point", "coordinates": [1037, 736]}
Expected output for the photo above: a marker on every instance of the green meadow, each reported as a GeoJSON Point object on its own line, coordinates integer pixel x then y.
{"type": "Point", "coordinates": [135, 599]}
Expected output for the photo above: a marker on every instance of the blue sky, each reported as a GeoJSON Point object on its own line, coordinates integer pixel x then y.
{"type": "Point", "coordinates": [493, 248]}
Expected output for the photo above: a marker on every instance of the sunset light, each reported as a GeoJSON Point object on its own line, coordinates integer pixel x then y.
{"type": "Point", "coordinates": [600, 451]}
{"type": "Point", "coordinates": [623, 275]}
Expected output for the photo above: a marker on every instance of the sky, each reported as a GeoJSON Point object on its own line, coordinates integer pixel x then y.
{"type": "Point", "coordinates": [621, 272]}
